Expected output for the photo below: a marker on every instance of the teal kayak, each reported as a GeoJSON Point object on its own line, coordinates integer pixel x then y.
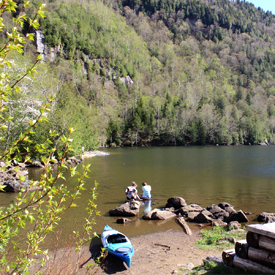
{"type": "Point", "coordinates": [117, 244]}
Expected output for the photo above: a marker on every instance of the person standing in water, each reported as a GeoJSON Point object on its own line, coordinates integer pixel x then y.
{"type": "Point", "coordinates": [146, 191]}
{"type": "Point", "coordinates": [131, 192]}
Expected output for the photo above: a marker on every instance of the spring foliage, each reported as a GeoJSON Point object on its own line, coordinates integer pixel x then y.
{"type": "Point", "coordinates": [203, 71]}
{"type": "Point", "coordinates": [40, 206]}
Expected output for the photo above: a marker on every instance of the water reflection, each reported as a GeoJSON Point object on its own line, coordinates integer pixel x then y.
{"type": "Point", "coordinates": [147, 206]}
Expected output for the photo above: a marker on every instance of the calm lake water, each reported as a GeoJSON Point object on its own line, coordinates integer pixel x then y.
{"type": "Point", "coordinates": [243, 176]}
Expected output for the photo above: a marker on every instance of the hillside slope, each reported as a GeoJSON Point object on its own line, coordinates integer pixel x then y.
{"type": "Point", "coordinates": [162, 72]}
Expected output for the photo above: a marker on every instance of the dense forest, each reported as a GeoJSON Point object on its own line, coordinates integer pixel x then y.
{"type": "Point", "coordinates": [151, 72]}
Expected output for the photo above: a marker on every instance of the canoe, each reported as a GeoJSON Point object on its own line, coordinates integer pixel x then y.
{"type": "Point", "coordinates": [117, 244]}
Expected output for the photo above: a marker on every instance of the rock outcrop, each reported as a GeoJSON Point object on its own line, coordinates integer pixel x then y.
{"type": "Point", "coordinates": [176, 202]}
{"type": "Point", "coordinates": [16, 186]}
{"type": "Point", "coordinates": [123, 220]}
{"type": "Point", "coordinates": [266, 217]}
{"type": "Point", "coordinates": [127, 209]}
{"type": "Point", "coordinates": [158, 214]}
{"type": "Point", "coordinates": [239, 216]}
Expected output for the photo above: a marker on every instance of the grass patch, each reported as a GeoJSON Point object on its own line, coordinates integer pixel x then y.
{"type": "Point", "coordinates": [211, 239]}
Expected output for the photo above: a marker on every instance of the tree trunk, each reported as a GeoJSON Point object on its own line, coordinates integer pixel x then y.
{"type": "Point", "coordinates": [241, 249]}
{"type": "Point", "coordinates": [228, 257]}
{"type": "Point", "coordinates": [267, 243]}
{"type": "Point", "coordinates": [184, 225]}
{"type": "Point", "coordinates": [252, 239]}
{"type": "Point", "coordinates": [249, 265]}
{"type": "Point", "coordinates": [262, 256]}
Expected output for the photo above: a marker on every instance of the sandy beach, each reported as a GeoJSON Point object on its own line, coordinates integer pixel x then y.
{"type": "Point", "coordinates": [158, 253]}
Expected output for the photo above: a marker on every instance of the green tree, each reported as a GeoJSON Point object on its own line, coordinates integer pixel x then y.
{"type": "Point", "coordinates": [113, 133]}
{"type": "Point", "coordinates": [41, 209]}
{"type": "Point", "coordinates": [193, 132]}
{"type": "Point", "coordinates": [201, 133]}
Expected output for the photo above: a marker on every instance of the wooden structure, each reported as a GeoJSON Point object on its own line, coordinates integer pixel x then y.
{"type": "Point", "coordinates": [257, 252]}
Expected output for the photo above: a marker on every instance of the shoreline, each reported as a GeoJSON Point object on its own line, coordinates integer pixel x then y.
{"type": "Point", "coordinates": [156, 253]}
{"type": "Point", "coordinates": [94, 153]}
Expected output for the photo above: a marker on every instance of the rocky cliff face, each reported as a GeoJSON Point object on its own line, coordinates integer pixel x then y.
{"type": "Point", "coordinates": [47, 53]}
{"type": "Point", "coordinates": [51, 53]}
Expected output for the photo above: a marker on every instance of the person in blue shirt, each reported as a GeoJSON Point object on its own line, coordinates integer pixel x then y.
{"type": "Point", "coordinates": [146, 195]}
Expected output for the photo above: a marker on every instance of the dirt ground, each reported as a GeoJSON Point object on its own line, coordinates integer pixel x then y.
{"type": "Point", "coordinates": [158, 253]}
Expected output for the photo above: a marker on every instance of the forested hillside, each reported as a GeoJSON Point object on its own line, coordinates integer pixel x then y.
{"type": "Point", "coordinates": [153, 72]}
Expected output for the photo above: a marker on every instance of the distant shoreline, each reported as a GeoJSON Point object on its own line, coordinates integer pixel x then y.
{"type": "Point", "coordinates": [94, 153]}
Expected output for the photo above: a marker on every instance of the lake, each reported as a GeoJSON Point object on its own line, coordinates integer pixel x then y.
{"type": "Point", "coordinates": [243, 176]}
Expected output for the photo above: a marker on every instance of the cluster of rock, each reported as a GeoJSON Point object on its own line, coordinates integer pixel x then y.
{"type": "Point", "coordinates": [9, 176]}
{"type": "Point", "coordinates": [219, 215]}
{"type": "Point", "coordinates": [266, 217]}
{"type": "Point", "coordinates": [39, 164]}
{"type": "Point", "coordinates": [223, 214]}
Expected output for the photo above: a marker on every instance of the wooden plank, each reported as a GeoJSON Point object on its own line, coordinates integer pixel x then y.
{"type": "Point", "coordinates": [267, 229]}
{"type": "Point", "coordinates": [262, 256]}
{"type": "Point", "coordinates": [241, 249]}
{"type": "Point", "coordinates": [228, 256]}
{"type": "Point", "coordinates": [247, 264]}
{"type": "Point", "coordinates": [267, 243]}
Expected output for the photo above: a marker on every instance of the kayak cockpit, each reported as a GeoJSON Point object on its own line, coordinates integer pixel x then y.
{"type": "Point", "coordinates": [116, 238]}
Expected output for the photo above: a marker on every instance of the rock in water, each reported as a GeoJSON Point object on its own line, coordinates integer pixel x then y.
{"type": "Point", "coordinates": [127, 209]}
{"type": "Point", "coordinates": [158, 214]}
{"type": "Point", "coordinates": [176, 202]}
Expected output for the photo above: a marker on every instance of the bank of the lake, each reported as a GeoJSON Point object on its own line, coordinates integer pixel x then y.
{"type": "Point", "coordinates": [240, 175]}
{"type": "Point", "coordinates": [157, 253]}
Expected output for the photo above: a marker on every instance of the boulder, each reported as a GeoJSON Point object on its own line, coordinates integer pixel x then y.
{"type": "Point", "coordinates": [171, 209]}
{"type": "Point", "coordinates": [218, 222]}
{"type": "Point", "coordinates": [239, 216]}
{"type": "Point", "coordinates": [35, 163]}
{"type": "Point", "coordinates": [234, 225]}
{"type": "Point", "coordinates": [74, 160]}
{"type": "Point", "coordinates": [9, 174]}
{"type": "Point", "coordinates": [191, 216]}
{"type": "Point", "coordinates": [148, 216]}
{"type": "Point", "coordinates": [266, 217]}
{"type": "Point", "coordinates": [230, 210]}
{"type": "Point", "coordinates": [176, 202]}
{"type": "Point", "coordinates": [15, 186]}
{"type": "Point", "coordinates": [127, 209]}
{"type": "Point", "coordinates": [207, 213]}
{"type": "Point", "coordinates": [202, 217]}
{"type": "Point", "coordinates": [123, 220]}
{"type": "Point", "coordinates": [227, 207]}
{"type": "Point", "coordinates": [158, 214]}
{"type": "Point", "coordinates": [218, 212]}
{"type": "Point", "coordinates": [135, 204]}
{"type": "Point", "coordinates": [163, 215]}
{"type": "Point", "coordinates": [225, 204]}
{"type": "Point", "coordinates": [189, 208]}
